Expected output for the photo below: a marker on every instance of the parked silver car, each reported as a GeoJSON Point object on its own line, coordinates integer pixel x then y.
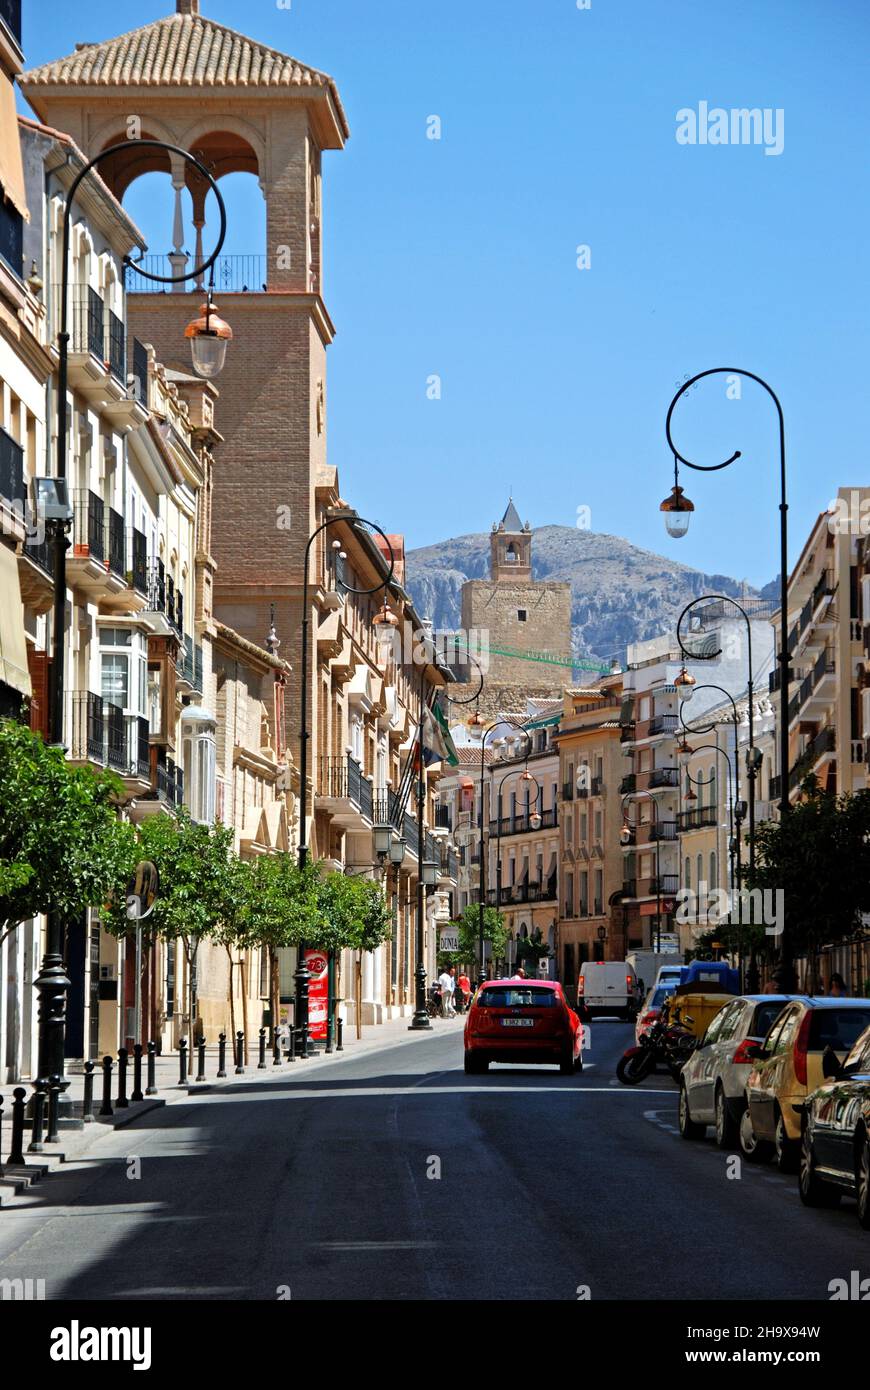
{"type": "Point", "coordinates": [713, 1081]}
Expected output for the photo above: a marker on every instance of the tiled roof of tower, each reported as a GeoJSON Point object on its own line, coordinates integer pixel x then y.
{"type": "Point", "coordinates": [181, 50]}
{"type": "Point", "coordinates": [511, 519]}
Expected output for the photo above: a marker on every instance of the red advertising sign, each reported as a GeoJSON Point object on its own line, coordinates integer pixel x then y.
{"type": "Point", "coordinates": [318, 992]}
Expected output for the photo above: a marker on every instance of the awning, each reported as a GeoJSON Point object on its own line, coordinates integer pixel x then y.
{"type": "Point", "coordinates": [544, 723]}
{"type": "Point", "coordinates": [11, 163]}
{"type": "Point", "coordinates": [13, 643]}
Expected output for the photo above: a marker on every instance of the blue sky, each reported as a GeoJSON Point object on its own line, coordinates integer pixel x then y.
{"type": "Point", "coordinates": [457, 257]}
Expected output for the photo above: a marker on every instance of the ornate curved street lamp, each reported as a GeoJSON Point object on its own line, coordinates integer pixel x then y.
{"type": "Point", "coordinates": [479, 728]}
{"type": "Point", "coordinates": [351, 518]}
{"type": "Point", "coordinates": [677, 510]}
{"type": "Point", "coordinates": [628, 831]}
{"type": "Point", "coordinates": [734, 816]}
{"type": "Point", "coordinates": [52, 982]}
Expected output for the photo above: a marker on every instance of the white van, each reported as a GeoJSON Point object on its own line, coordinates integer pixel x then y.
{"type": "Point", "coordinates": [608, 987]}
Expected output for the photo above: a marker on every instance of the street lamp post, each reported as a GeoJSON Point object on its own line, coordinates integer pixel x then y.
{"type": "Point", "coordinates": [752, 756]}
{"type": "Point", "coordinates": [686, 752]}
{"type": "Point", "coordinates": [302, 975]}
{"type": "Point", "coordinates": [534, 820]}
{"type": "Point", "coordinates": [627, 831]}
{"type": "Point", "coordinates": [208, 339]}
{"type": "Point", "coordinates": [678, 509]}
{"type": "Point", "coordinates": [478, 729]}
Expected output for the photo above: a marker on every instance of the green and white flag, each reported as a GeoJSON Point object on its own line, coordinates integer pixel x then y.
{"type": "Point", "coordinates": [438, 746]}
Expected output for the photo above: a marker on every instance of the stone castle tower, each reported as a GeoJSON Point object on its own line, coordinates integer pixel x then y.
{"type": "Point", "coordinates": [237, 105]}
{"type": "Point", "coordinates": [525, 621]}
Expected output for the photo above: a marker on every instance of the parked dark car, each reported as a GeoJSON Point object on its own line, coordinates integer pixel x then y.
{"type": "Point", "coordinates": [835, 1133]}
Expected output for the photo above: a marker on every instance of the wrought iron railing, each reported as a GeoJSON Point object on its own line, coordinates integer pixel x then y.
{"type": "Point", "coordinates": [89, 524]}
{"type": "Point", "coordinates": [88, 725]}
{"type": "Point", "coordinates": [11, 469]}
{"type": "Point", "coordinates": [137, 378]}
{"type": "Point", "coordinates": [117, 543]}
{"type": "Point", "coordinates": [232, 275]}
{"type": "Point", "coordinates": [139, 561]}
{"type": "Point", "coordinates": [115, 345]}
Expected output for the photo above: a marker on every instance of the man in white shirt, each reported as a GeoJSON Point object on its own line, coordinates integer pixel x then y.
{"type": "Point", "coordinates": [448, 984]}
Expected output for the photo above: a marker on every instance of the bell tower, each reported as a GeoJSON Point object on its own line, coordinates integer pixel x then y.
{"type": "Point", "coordinates": [238, 105]}
{"type": "Point", "coordinates": [510, 548]}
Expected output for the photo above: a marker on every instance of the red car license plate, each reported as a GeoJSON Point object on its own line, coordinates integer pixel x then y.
{"type": "Point", "coordinates": [518, 1023]}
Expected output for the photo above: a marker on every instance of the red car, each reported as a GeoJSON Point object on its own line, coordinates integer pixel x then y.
{"type": "Point", "coordinates": [522, 1021]}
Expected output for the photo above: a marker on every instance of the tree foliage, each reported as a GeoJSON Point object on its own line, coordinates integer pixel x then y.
{"type": "Point", "coordinates": [352, 913]}
{"type": "Point", "coordinates": [199, 880]}
{"type": "Point", "coordinates": [819, 856]}
{"type": "Point", "coordinates": [280, 904]}
{"type": "Point", "coordinates": [63, 846]}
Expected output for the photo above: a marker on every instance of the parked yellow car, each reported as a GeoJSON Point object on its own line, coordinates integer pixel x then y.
{"type": "Point", "coordinates": [787, 1066]}
{"type": "Point", "coordinates": [697, 1007]}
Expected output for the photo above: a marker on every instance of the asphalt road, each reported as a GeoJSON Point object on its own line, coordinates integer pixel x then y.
{"type": "Point", "coordinates": [395, 1176]}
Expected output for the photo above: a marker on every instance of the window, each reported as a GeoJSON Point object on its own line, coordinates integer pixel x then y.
{"type": "Point", "coordinates": [688, 873]}
{"type": "Point", "coordinates": [522, 615]}
{"type": "Point", "coordinates": [124, 668]}
{"type": "Point", "coordinates": [199, 762]}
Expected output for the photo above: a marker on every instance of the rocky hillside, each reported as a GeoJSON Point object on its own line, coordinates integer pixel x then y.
{"type": "Point", "coordinates": [621, 594]}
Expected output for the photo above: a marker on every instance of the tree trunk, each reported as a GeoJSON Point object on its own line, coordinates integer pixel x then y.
{"type": "Point", "coordinates": [229, 951]}
{"type": "Point", "coordinates": [243, 981]}
{"type": "Point", "coordinates": [274, 989]}
{"type": "Point", "coordinates": [359, 994]}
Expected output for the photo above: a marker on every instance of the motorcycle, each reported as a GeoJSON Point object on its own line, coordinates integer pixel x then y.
{"type": "Point", "coordinates": [668, 1041]}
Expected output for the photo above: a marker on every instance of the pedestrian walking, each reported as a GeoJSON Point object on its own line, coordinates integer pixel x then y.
{"type": "Point", "coordinates": [464, 988]}
{"type": "Point", "coordinates": [837, 986]}
{"type": "Point", "coordinates": [446, 981]}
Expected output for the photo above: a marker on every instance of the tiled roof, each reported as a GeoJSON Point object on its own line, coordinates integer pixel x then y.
{"type": "Point", "coordinates": [181, 50]}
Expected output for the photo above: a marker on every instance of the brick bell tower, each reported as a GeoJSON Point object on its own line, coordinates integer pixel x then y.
{"type": "Point", "coordinates": [525, 621]}
{"type": "Point", "coordinates": [238, 105]}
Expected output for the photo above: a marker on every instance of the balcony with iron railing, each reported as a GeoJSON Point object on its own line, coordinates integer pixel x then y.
{"type": "Point", "coordinates": [89, 526]}
{"type": "Point", "coordinates": [139, 562]}
{"type": "Point", "coordinates": [662, 830]}
{"type": "Point", "coordinates": [116, 543]}
{"type": "Point", "coordinates": [824, 742]}
{"type": "Point", "coordinates": [115, 346]}
{"type": "Point", "coordinates": [137, 377]}
{"type": "Point", "coordinates": [233, 274]}
{"type": "Point", "coordinates": [10, 13]}
{"type": "Point", "coordinates": [568, 791]}
{"type": "Point", "coordinates": [170, 782]}
{"type": "Point", "coordinates": [11, 472]}
{"type": "Point", "coordinates": [698, 818]}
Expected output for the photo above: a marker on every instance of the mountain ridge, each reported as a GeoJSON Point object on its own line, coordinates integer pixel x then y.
{"type": "Point", "coordinates": [621, 593]}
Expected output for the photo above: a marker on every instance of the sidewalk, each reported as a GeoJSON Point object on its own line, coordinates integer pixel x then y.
{"type": "Point", "coordinates": [75, 1142]}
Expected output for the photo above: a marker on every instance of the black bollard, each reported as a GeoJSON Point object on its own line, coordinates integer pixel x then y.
{"type": "Point", "coordinates": [200, 1075]}
{"type": "Point", "coordinates": [106, 1107]}
{"type": "Point", "coordinates": [291, 1053]}
{"type": "Point", "coordinates": [151, 1088]}
{"type": "Point", "coordinates": [276, 1048]}
{"type": "Point", "coordinates": [339, 1028]}
{"type": "Point", "coordinates": [16, 1153]}
{"type": "Point", "coordinates": [240, 1054]}
{"type": "Point", "coordinates": [261, 1065]}
{"type": "Point", "coordinates": [182, 1061]}
{"type": "Point", "coordinates": [136, 1093]}
{"type": "Point", "coordinates": [52, 1136]}
{"type": "Point", "coordinates": [304, 1041]}
{"type": "Point", "coordinates": [122, 1102]}
{"type": "Point", "coordinates": [88, 1102]}
{"type": "Point", "coordinates": [35, 1146]}
{"type": "Point", "coordinates": [222, 1054]}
